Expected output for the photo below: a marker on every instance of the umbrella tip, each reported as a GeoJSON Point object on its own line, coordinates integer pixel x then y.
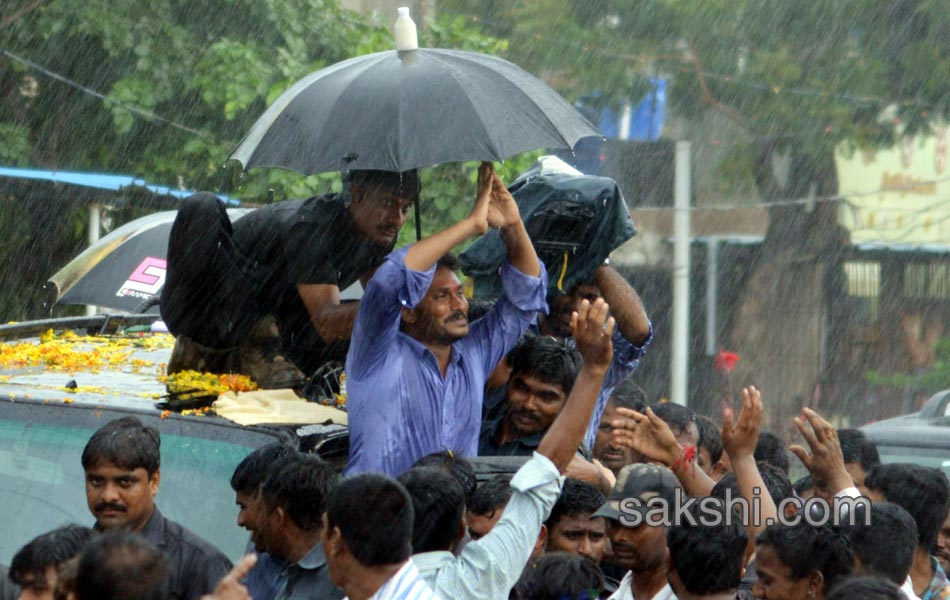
{"type": "Point", "coordinates": [405, 31]}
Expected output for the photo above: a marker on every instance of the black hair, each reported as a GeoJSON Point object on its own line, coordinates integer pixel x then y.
{"type": "Point", "coordinates": [708, 554]}
{"type": "Point", "coordinates": [406, 182]}
{"type": "Point", "coordinates": [805, 548]}
{"type": "Point", "coordinates": [438, 502]}
{"type": "Point", "coordinates": [857, 448]}
{"type": "Point", "coordinates": [577, 498]}
{"type": "Point", "coordinates": [50, 549]}
{"type": "Point", "coordinates": [456, 466]}
{"type": "Point", "coordinates": [776, 482]}
{"type": "Point", "coordinates": [710, 438]}
{"type": "Point", "coordinates": [490, 496]}
{"type": "Point", "coordinates": [921, 491]}
{"type": "Point", "coordinates": [886, 546]}
{"type": "Point", "coordinates": [628, 394]}
{"type": "Point", "coordinates": [866, 588]}
{"type": "Point", "coordinates": [119, 565]}
{"type": "Point", "coordinates": [677, 416]}
{"type": "Point", "coordinates": [479, 307]}
{"type": "Point", "coordinates": [803, 484]}
{"type": "Point", "coordinates": [127, 443]}
{"type": "Point", "coordinates": [251, 472]}
{"type": "Point", "coordinates": [560, 576]}
{"type": "Point", "coordinates": [448, 261]}
{"type": "Point", "coordinates": [549, 359]}
{"type": "Point", "coordinates": [374, 515]}
{"type": "Point", "coordinates": [300, 485]}
{"type": "Point", "coordinates": [771, 449]}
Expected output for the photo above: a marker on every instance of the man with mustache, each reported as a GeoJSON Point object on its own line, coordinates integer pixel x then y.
{"type": "Point", "coordinates": [122, 471]}
{"type": "Point", "coordinates": [262, 297]}
{"type": "Point", "coordinates": [416, 368]}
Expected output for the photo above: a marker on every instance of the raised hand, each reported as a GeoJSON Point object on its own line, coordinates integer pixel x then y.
{"type": "Point", "coordinates": [739, 438]}
{"type": "Point", "coordinates": [483, 199]}
{"type": "Point", "coordinates": [592, 328]}
{"type": "Point", "coordinates": [825, 462]}
{"type": "Point", "coordinates": [647, 434]}
{"type": "Point", "coordinates": [503, 210]}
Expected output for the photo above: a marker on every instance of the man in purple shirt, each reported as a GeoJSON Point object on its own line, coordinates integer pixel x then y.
{"type": "Point", "coordinates": [416, 369]}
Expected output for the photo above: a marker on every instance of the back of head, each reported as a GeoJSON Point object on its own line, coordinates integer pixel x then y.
{"type": "Point", "coordinates": [374, 515]}
{"type": "Point", "coordinates": [886, 546]}
{"type": "Point", "coordinates": [710, 437]}
{"type": "Point", "coordinates": [438, 502]}
{"type": "Point", "coordinates": [490, 496]}
{"type": "Point", "coordinates": [121, 566]}
{"type": "Point", "coordinates": [577, 498]}
{"type": "Point", "coordinates": [560, 576]}
{"type": "Point", "coordinates": [48, 550]}
{"type": "Point", "coordinates": [300, 485]}
{"type": "Point", "coordinates": [126, 443]}
{"type": "Point", "coordinates": [857, 448]}
{"type": "Point", "coordinates": [456, 466]}
{"type": "Point", "coordinates": [771, 449]}
{"type": "Point", "coordinates": [628, 394]}
{"type": "Point", "coordinates": [921, 491]}
{"type": "Point", "coordinates": [251, 472]}
{"type": "Point", "coordinates": [776, 482]}
{"type": "Point", "coordinates": [708, 549]}
{"type": "Point", "coordinates": [866, 588]}
{"type": "Point", "coordinates": [677, 416]}
{"type": "Point", "coordinates": [803, 484]}
{"type": "Point", "coordinates": [548, 359]}
{"type": "Point", "coordinates": [805, 548]}
{"type": "Point", "coordinates": [405, 184]}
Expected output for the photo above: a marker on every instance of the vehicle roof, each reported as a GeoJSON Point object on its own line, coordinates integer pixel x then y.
{"type": "Point", "coordinates": [928, 428]}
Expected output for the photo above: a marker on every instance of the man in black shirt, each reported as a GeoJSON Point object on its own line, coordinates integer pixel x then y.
{"type": "Point", "coordinates": [121, 463]}
{"type": "Point", "coordinates": [246, 297]}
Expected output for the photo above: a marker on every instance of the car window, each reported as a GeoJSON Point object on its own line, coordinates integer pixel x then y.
{"type": "Point", "coordinates": [43, 484]}
{"type": "Point", "coordinates": [927, 457]}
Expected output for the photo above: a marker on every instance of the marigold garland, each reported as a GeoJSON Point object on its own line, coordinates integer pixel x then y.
{"type": "Point", "coordinates": [186, 385]}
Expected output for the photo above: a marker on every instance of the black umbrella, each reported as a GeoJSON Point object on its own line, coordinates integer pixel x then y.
{"type": "Point", "coordinates": [125, 270]}
{"type": "Point", "coordinates": [396, 111]}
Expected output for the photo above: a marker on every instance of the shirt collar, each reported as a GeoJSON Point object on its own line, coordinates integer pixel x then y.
{"type": "Point", "coordinates": [421, 351]}
{"type": "Point", "coordinates": [314, 559]}
{"type": "Point", "coordinates": [154, 530]}
{"type": "Point", "coordinates": [531, 442]}
{"type": "Point", "coordinates": [428, 562]}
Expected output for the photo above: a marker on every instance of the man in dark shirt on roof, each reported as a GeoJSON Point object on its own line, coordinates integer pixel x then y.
{"type": "Point", "coordinates": [262, 297]}
{"type": "Point", "coordinates": [121, 463]}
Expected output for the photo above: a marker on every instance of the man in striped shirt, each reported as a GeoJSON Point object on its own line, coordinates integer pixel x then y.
{"type": "Point", "coordinates": [367, 539]}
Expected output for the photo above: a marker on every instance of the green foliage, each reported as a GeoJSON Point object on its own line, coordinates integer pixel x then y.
{"type": "Point", "coordinates": [936, 378]}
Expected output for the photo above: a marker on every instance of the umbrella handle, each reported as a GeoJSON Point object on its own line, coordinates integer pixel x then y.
{"type": "Point", "coordinates": [418, 219]}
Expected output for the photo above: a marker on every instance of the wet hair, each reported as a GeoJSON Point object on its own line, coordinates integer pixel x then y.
{"type": "Point", "coordinates": [771, 449]}
{"type": "Point", "coordinates": [886, 546]}
{"type": "Point", "coordinates": [300, 485]}
{"type": "Point", "coordinates": [857, 448]}
{"type": "Point", "coordinates": [119, 565]}
{"type": "Point", "coordinates": [448, 261]}
{"type": "Point", "coordinates": [803, 484]}
{"type": "Point", "coordinates": [405, 183]}
{"type": "Point", "coordinates": [560, 576]}
{"type": "Point", "coordinates": [374, 515]}
{"type": "Point", "coordinates": [251, 472]}
{"type": "Point", "coordinates": [628, 394]}
{"type": "Point", "coordinates": [577, 498]}
{"type": "Point", "coordinates": [127, 443]}
{"type": "Point", "coordinates": [866, 588]}
{"type": "Point", "coordinates": [456, 466]}
{"type": "Point", "coordinates": [708, 558]}
{"type": "Point", "coordinates": [710, 438]}
{"type": "Point", "coordinates": [479, 307]}
{"type": "Point", "coordinates": [550, 360]}
{"type": "Point", "coordinates": [921, 491]}
{"type": "Point", "coordinates": [490, 496]}
{"type": "Point", "coordinates": [677, 416]}
{"type": "Point", "coordinates": [438, 502]}
{"type": "Point", "coordinates": [805, 548]}
{"type": "Point", "coordinates": [66, 579]}
{"type": "Point", "coordinates": [50, 549]}
{"type": "Point", "coordinates": [776, 482]}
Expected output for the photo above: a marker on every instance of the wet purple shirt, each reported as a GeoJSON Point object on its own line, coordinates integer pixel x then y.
{"type": "Point", "coordinates": [399, 406]}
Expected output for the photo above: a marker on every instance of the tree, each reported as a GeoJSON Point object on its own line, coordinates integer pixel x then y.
{"type": "Point", "coordinates": [797, 79]}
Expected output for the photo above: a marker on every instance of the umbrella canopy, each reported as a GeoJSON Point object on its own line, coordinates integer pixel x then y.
{"type": "Point", "coordinates": [125, 270]}
{"type": "Point", "coordinates": [396, 111]}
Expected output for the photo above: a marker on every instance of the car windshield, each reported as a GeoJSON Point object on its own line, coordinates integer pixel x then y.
{"type": "Point", "coordinates": [927, 457]}
{"type": "Point", "coordinates": [43, 482]}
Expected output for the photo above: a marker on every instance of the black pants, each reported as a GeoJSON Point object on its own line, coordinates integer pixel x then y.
{"type": "Point", "coordinates": [211, 293]}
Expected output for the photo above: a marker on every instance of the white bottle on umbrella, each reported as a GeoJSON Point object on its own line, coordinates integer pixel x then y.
{"type": "Point", "coordinates": [405, 31]}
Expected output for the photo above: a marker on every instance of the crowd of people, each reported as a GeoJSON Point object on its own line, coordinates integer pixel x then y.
{"type": "Point", "coordinates": [619, 497]}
